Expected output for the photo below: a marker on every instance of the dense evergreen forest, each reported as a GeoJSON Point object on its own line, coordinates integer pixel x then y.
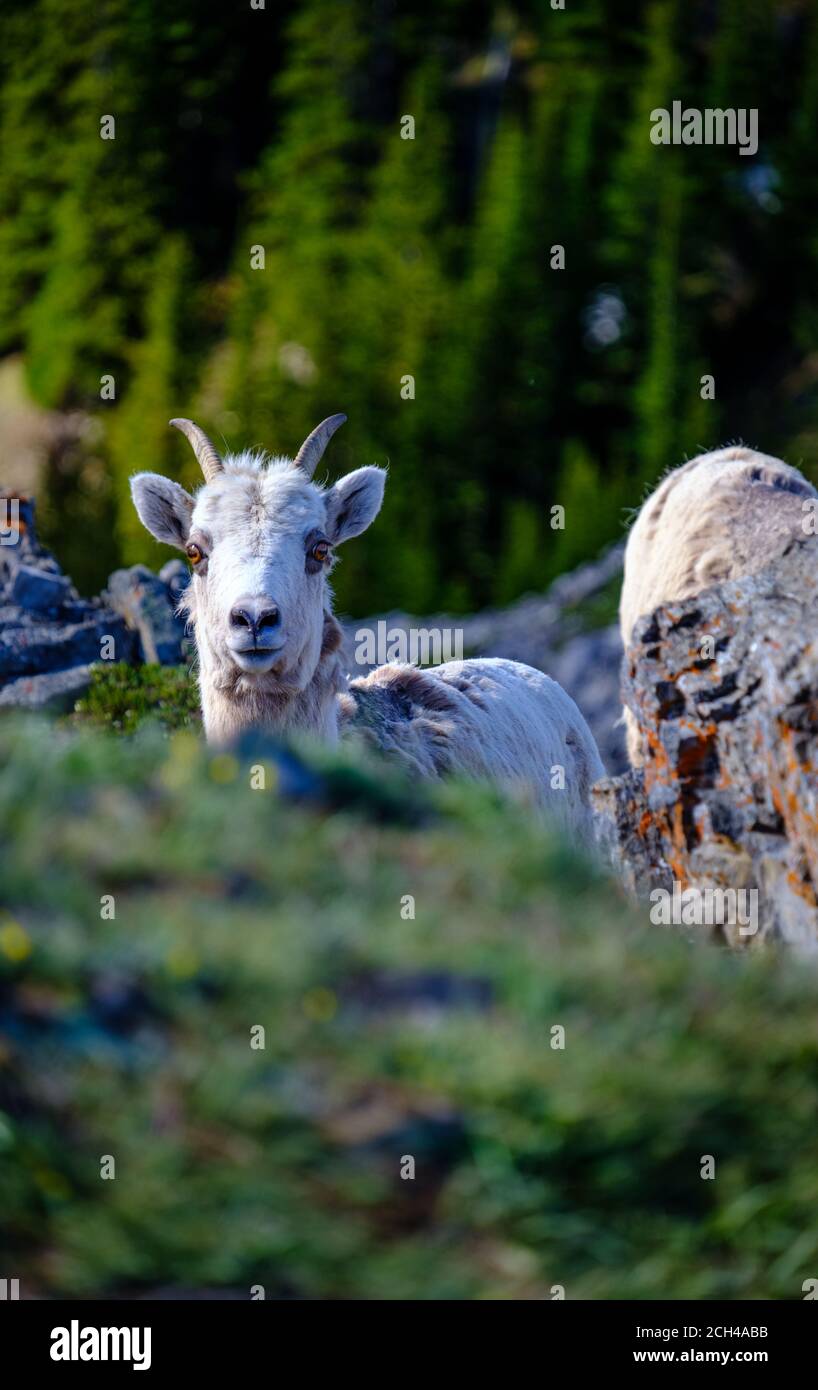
{"type": "Point", "coordinates": [411, 282]}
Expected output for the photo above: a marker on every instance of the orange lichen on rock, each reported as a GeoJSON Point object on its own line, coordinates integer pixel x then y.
{"type": "Point", "coordinates": [726, 791]}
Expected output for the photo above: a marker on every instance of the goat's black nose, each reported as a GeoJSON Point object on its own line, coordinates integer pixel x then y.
{"type": "Point", "coordinates": [255, 616]}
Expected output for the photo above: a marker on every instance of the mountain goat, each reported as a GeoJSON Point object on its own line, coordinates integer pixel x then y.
{"type": "Point", "coordinates": [261, 537]}
{"type": "Point", "coordinates": [720, 516]}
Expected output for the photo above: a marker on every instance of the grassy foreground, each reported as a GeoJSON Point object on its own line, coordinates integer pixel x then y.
{"type": "Point", "coordinates": [159, 909]}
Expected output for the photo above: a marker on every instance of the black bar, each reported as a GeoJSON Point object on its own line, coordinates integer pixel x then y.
{"type": "Point", "coordinates": [210, 1336]}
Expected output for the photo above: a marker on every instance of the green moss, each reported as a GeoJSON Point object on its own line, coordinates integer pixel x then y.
{"type": "Point", "coordinates": [123, 697]}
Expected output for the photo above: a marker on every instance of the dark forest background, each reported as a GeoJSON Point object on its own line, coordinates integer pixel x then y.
{"type": "Point", "coordinates": [388, 257]}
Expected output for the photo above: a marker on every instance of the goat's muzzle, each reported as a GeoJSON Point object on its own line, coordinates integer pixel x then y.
{"type": "Point", "coordinates": [255, 637]}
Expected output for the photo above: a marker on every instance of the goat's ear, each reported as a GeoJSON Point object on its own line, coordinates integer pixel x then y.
{"type": "Point", "coordinates": [163, 506]}
{"type": "Point", "coordinates": [353, 503]}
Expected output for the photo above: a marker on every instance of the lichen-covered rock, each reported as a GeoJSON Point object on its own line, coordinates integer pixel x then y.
{"type": "Point", "coordinates": [724, 687]}
{"type": "Point", "coordinates": [627, 836]}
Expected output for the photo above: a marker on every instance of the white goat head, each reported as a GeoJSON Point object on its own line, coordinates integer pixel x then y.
{"type": "Point", "coordinates": [260, 536]}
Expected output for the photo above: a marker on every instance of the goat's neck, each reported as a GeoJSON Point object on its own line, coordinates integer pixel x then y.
{"type": "Point", "coordinates": [230, 707]}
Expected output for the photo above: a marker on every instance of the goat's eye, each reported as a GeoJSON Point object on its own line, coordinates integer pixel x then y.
{"type": "Point", "coordinates": [320, 551]}
{"type": "Point", "coordinates": [194, 553]}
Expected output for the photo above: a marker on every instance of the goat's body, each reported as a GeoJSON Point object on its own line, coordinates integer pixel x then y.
{"type": "Point", "coordinates": [492, 720]}
{"type": "Point", "coordinates": [489, 719]}
{"type": "Point", "coordinates": [720, 516]}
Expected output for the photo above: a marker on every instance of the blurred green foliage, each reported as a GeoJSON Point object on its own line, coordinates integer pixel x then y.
{"type": "Point", "coordinates": [431, 258]}
{"type": "Point", "coordinates": [385, 1036]}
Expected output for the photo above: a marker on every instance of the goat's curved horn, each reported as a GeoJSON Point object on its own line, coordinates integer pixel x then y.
{"type": "Point", "coordinates": [309, 455]}
{"type": "Point", "coordinates": [209, 458]}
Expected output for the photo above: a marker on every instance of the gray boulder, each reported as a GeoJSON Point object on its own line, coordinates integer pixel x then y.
{"type": "Point", "coordinates": [30, 648]}
{"type": "Point", "coordinates": [175, 574]}
{"type": "Point", "coordinates": [56, 691]}
{"type": "Point", "coordinates": [49, 636]}
{"type": "Point", "coordinates": [39, 589]}
{"type": "Point", "coordinates": [146, 603]}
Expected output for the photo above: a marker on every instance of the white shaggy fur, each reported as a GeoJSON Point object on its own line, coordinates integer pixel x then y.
{"type": "Point", "coordinates": [720, 516]}
{"type": "Point", "coordinates": [256, 525]}
{"type": "Point", "coordinates": [486, 718]}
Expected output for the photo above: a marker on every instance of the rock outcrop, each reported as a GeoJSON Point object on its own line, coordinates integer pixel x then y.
{"type": "Point", "coordinates": [724, 687]}
{"type": "Point", "coordinates": [147, 602]}
{"type": "Point", "coordinates": [50, 637]}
